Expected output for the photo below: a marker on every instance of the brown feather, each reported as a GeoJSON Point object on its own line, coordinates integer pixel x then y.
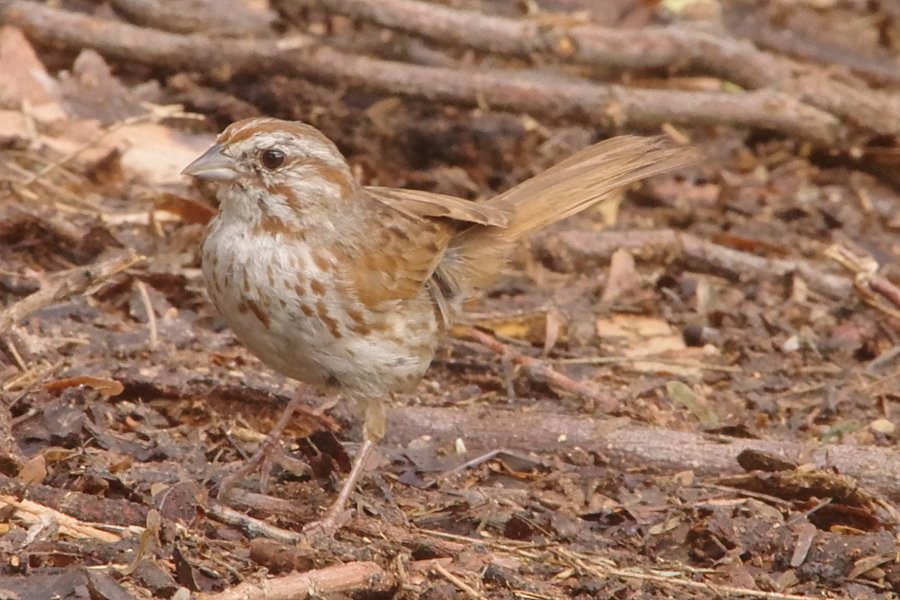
{"type": "Point", "coordinates": [417, 203]}
{"type": "Point", "coordinates": [592, 175]}
{"type": "Point", "coordinates": [456, 246]}
{"type": "Point", "coordinates": [394, 260]}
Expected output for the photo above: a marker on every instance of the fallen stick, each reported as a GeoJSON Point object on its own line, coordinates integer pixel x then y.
{"type": "Point", "coordinates": [251, 526]}
{"type": "Point", "coordinates": [354, 576]}
{"type": "Point", "coordinates": [64, 284]}
{"type": "Point", "coordinates": [539, 370]}
{"type": "Point", "coordinates": [626, 445]}
{"type": "Point", "coordinates": [732, 59]}
{"type": "Point", "coordinates": [86, 508]}
{"type": "Point", "coordinates": [599, 246]}
{"type": "Point", "coordinates": [610, 106]}
{"type": "Point", "coordinates": [31, 513]}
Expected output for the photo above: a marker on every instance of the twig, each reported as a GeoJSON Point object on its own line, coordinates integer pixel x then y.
{"type": "Point", "coordinates": [867, 278]}
{"type": "Point", "coordinates": [32, 512]}
{"type": "Point", "coordinates": [65, 284]}
{"type": "Point", "coordinates": [882, 360]}
{"type": "Point", "coordinates": [722, 591]}
{"type": "Point", "coordinates": [594, 246]}
{"type": "Point", "coordinates": [608, 48]}
{"type": "Point", "coordinates": [362, 575]}
{"type": "Point", "coordinates": [265, 504]}
{"type": "Point", "coordinates": [613, 360]}
{"type": "Point", "coordinates": [151, 315]}
{"type": "Point", "coordinates": [603, 105]}
{"type": "Point", "coordinates": [605, 568]}
{"type": "Point", "coordinates": [876, 67]}
{"type": "Point", "coordinates": [106, 513]}
{"type": "Point", "coordinates": [238, 19]}
{"type": "Point", "coordinates": [886, 288]}
{"type": "Point", "coordinates": [537, 369]}
{"type": "Point", "coordinates": [159, 113]}
{"type": "Point", "coordinates": [462, 585]}
{"type": "Point", "coordinates": [252, 527]}
{"type": "Point", "coordinates": [14, 352]}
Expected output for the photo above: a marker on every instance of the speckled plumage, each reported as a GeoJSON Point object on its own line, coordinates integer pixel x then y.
{"type": "Point", "coordinates": [343, 286]}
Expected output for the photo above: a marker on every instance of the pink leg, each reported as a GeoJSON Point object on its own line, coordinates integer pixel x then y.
{"type": "Point", "coordinates": [267, 447]}
{"type": "Point", "coordinates": [334, 517]}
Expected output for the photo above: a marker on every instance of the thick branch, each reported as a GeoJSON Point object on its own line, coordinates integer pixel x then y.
{"type": "Point", "coordinates": [623, 442]}
{"type": "Point", "coordinates": [604, 105]}
{"type": "Point", "coordinates": [646, 48]}
{"type": "Point", "coordinates": [354, 576]}
{"type": "Point", "coordinates": [734, 60]}
{"type": "Point", "coordinates": [627, 445]}
{"type": "Point", "coordinates": [598, 246]}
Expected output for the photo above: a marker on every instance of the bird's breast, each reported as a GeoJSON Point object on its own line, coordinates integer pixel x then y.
{"type": "Point", "coordinates": [287, 302]}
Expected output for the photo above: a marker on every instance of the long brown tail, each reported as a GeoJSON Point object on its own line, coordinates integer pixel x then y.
{"type": "Point", "coordinates": [590, 176]}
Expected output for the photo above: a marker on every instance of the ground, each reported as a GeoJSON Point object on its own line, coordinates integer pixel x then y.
{"type": "Point", "coordinates": [690, 393]}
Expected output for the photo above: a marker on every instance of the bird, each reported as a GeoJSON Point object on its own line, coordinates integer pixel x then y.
{"type": "Point", "coordinates": [348, 288]}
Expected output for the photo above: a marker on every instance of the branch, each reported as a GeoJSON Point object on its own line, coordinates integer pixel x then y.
{"type": "Point", "coordinates": [354, 576]}
{"type": "Point", "coordinates": [598, 246]}
{"type": "Point", "coordinates": [626, 445]}
{"type": "Point", "coordinates": [65, 284]}
{"type": "Point", "coordinates": [608, 106]}
{"type": "Point", "coordinates": [738, 61]}
{"type": "Point", "coordinates": [540, 371]}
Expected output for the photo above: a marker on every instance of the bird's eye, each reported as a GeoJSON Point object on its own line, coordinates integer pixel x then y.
{"type": "Point", "coordinates": [271, 158]}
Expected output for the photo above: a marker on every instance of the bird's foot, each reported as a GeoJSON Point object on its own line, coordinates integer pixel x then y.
{"type": "Point", "coordinates": [324, 529]}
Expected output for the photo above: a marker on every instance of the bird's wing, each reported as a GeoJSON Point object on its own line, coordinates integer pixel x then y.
{"type": "Point", "coordinates": [405, 240]}
{"type": "Point", "coordinates": [418, 204]}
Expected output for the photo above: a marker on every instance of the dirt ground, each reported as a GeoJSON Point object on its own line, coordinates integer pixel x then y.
{"type": "Point", "coordinates": [693, 393]}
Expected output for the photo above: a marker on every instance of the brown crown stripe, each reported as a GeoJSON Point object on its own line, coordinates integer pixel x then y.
{"type": "Point", "coordinates": [242, 130]}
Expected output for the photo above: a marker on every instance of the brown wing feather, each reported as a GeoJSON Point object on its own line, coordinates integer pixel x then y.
{"type": "Point", "coordinates": [597, 173]}
{"type": "Point", "coordinates": [417, 203]}
{"type": "Point", "coordinates": [395, 260]}
{"type": "Point", "coordinates": [454, 247]}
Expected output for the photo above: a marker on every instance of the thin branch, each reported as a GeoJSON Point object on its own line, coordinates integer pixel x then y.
{"type": "Point", "coordinates": [151, 314]}
{"type": "Point", "coordinates": [594, 246]}
{"type": "Point", "coordinates": [252, 527]}
{"type": "Point", "coordinates": [65, 284]}
{"type": "Point", "coordinates": [538, 370]}
{"type": "Point", "coordinates": [32, 512]}
{"type": "Point", "coordinates": [467, 589]}
{"type": "Point", "coordinates": [354, 576]}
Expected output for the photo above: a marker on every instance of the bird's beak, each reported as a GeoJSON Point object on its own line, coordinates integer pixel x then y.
{"type": "Point", "coordinates": [213, 166]}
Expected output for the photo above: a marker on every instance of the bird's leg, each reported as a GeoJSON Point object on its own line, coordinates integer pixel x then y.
{"type": "Point", "coordinates": [267, 447]}
{"type": "Point", "coordinates": [373, 431]}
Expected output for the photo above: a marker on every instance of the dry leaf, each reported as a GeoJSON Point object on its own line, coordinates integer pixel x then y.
{"type": "Point", "coordinates": [106, 387]}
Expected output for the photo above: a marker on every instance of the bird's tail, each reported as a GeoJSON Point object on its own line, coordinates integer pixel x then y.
{"type": "Point", "coordinates": [592, 175]}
